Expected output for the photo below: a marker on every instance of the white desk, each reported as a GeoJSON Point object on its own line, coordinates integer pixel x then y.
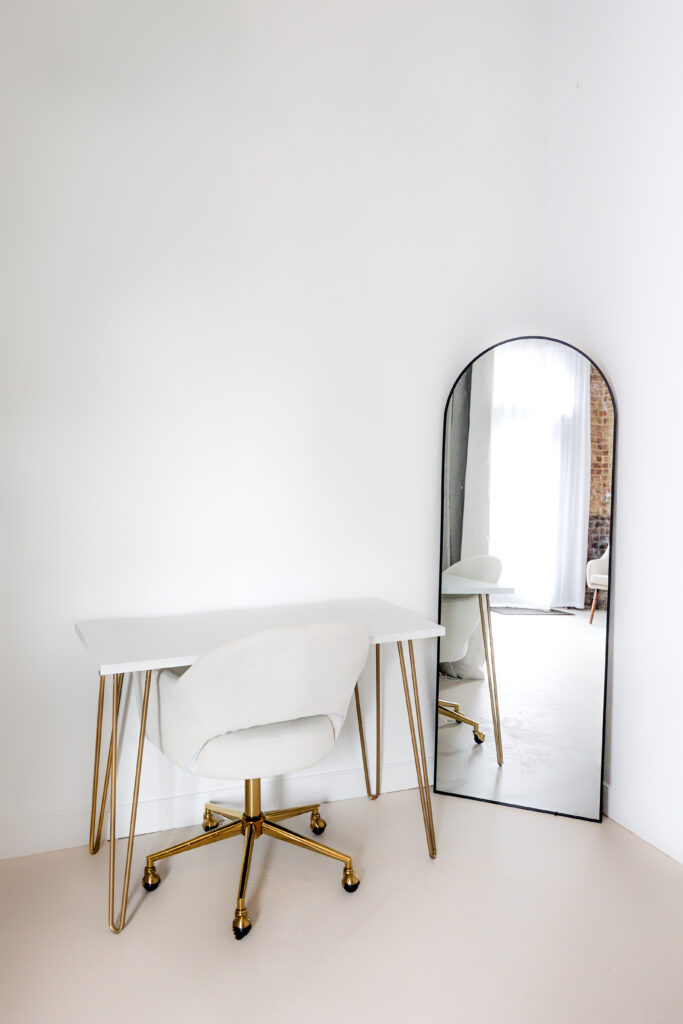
{"type": "Point", "coordinates": [463, 586]}
{"type": "Point", "coordinates": [122, 646]}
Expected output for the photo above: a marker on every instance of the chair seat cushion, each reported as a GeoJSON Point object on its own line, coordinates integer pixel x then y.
{"type": "Point", "coordinates": [599, 581]}
{"type": "Point", "coordinates": [265, 750]}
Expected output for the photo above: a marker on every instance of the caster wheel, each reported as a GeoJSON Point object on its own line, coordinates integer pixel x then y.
{"type": "Point", "coordinates": [150, 880]}
{"type": "Point", "coordinates": [210, 822]}
{"type": "Point", "coordinates": [241, 924]}
{"type": "Point", "coordinates": [479, 737]}
{"type": "Point", "coordinates": [350, 880]}
{"type": "Point", "coordinates": [318, 825]}
{"type": "Point", "coordinates": [210, 828]}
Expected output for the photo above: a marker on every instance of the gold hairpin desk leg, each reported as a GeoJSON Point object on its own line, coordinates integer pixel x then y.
{"type": "Point", "coordinates": [93, 845]}
{"type": "Point", "coordinates": [487, 636]}
{"type": "Point", "coordinates": [372, 796]}
{"type": "Point", "coordinates": [419, 755]}
{"type": "Point", "coordinates": [95, 837]}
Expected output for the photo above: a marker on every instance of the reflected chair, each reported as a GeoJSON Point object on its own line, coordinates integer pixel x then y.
{"type": "Point", "coordinates": [267, 704]}
{"type": "Point", "coordinates": [462, 615]}
{"type": "Point", "coordinates": [597, 578]}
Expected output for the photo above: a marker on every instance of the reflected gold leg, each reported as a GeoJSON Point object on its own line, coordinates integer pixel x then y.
{"type": "Point", "coordinates": [452, 711]}
{"type": "Point", "coordinates": [493, 671]}
{"type": "Point", "coordinates": [487, 637]}
{"type": "Point", "coordinates": [420, 759]}
{"type": "Point", "coordinates": [118, 686]}
{"type": "Point", "coordinates": [371, 795]}
{"type": "Point", "coordinates": [593, 606]}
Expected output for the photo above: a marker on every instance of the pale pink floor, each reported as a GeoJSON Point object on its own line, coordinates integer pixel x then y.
{"type": "Point", "coordinates": [522, 918]}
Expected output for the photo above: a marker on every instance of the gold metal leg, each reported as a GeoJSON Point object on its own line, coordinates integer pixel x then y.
{"type": "Point", "coordinates": [251, 824]}
{"type": "Point", "coordinates": [350, 880]}
{"type": "Point", "coordinates": [94, 847]}
{"type": "Point", "coordinates": [118, 686]}
{"type": "Point", "coordinates": [372, 796]}
{"type": "Point", "coordinates": [450, 710]}
{"type": "Point", "coordinates": [150, 878]}
{"type": "Point", "coordinates": [96, 837]}
{"type": "Point", "coordinates": [487, 636]}
{"type": "Point", "coordinates": [420, 758]}
{"type": "Point", "coordinates": [226, 812]}
{"type": "Point", "coordinates": [241, 924]}
{"type": "Point", "coordinates": [292, 812]}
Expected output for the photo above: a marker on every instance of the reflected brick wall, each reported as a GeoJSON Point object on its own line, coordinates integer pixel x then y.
{"type": "Point", "coordinates": [600, 508]}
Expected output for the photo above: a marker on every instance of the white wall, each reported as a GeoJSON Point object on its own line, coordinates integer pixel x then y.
{"type": "Point", "coordinates": [247, 248]}
{"type": "Point", "coordinates": [614, 259]}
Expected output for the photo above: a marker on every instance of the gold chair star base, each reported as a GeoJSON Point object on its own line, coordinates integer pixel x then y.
{"type": "Point", "coordinates": [449, 709]}
{"type": "Point", "coordinates": [252, 824]}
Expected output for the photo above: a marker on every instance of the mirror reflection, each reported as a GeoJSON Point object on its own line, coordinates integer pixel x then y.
{"type": "Point", "coordinates": [526, 522]}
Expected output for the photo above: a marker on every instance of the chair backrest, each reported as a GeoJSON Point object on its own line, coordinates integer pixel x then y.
{"type": "Point", "coordinates": [272, 676]}
{"type": "Point", "coordinates": [460, 613]}
{"type": "Point", "coordinates": [597, 566]}
{"type": "Point", "coordinates": [478, 567]}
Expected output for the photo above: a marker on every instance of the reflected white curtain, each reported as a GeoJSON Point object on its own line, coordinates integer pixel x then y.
{"type": "Point", "coordinates": [475, 518]}
{"type": "Point", "coordinates": [539, 466]}
{"type": "Point", "coordinates": [448, 512]}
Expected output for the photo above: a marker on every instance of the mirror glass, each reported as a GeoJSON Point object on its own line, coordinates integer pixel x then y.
{"type": "Point", "coordinates": [524, 579]}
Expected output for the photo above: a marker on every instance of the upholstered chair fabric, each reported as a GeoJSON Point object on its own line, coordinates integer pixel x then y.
{"type": "Point", "coordinates": [267, 704]}
{"type": "Point", "coordinates": [460, 613]}
{"type": "Point", "coordinates": [597, 572]}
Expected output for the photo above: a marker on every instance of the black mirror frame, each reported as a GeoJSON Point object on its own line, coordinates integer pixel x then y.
{"type": "Point", "coordinates": [464, 796]}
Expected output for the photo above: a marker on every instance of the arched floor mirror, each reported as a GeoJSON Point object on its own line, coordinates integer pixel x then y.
{"type": "Point", "coordinates": [524, 579]}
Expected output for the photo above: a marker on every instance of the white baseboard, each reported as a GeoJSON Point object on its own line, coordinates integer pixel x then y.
{"type": "Point", "coordinates": [660, 832]}
{"type": "Point", "coordinates": [324, 787]}
{"type": "Point", "coordinates": [67, 827]}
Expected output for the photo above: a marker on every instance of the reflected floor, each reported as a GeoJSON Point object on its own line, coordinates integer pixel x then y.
{"type": "Point", "coordinates": [550, 671]}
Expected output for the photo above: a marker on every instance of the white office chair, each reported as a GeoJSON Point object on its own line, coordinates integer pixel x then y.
{"type": "Point", "coordinates": [267, 704]}
{"type": "Point", "coordinates": [597, 578]}
{"type": "Point", "coordinates": [461, 617]}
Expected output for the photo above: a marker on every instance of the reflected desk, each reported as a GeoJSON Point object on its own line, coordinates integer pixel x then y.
{"type": "Point", "coordinates": [123, 646]}
{"type": "Point", "coordinates": [462, 586]}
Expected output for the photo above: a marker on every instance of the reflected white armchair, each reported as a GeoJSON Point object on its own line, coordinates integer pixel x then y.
{"type": "Point", "coordinates": [462, 617]}
{"type": "Point", "coordinates": [267, 704]}
{"type": "Point", "coordinates": [597, 578]}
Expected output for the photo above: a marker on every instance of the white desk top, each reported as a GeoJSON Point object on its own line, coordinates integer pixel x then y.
{"type": "Point", "coordinates": [451, 584]}
{"type": "Point", "coordinates": [173, 641]}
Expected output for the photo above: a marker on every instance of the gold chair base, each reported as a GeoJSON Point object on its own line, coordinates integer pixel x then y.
{"type": "Point", "coordinates": [252, 824]}
{"type": "Point", "coordinates": [451, 710]}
